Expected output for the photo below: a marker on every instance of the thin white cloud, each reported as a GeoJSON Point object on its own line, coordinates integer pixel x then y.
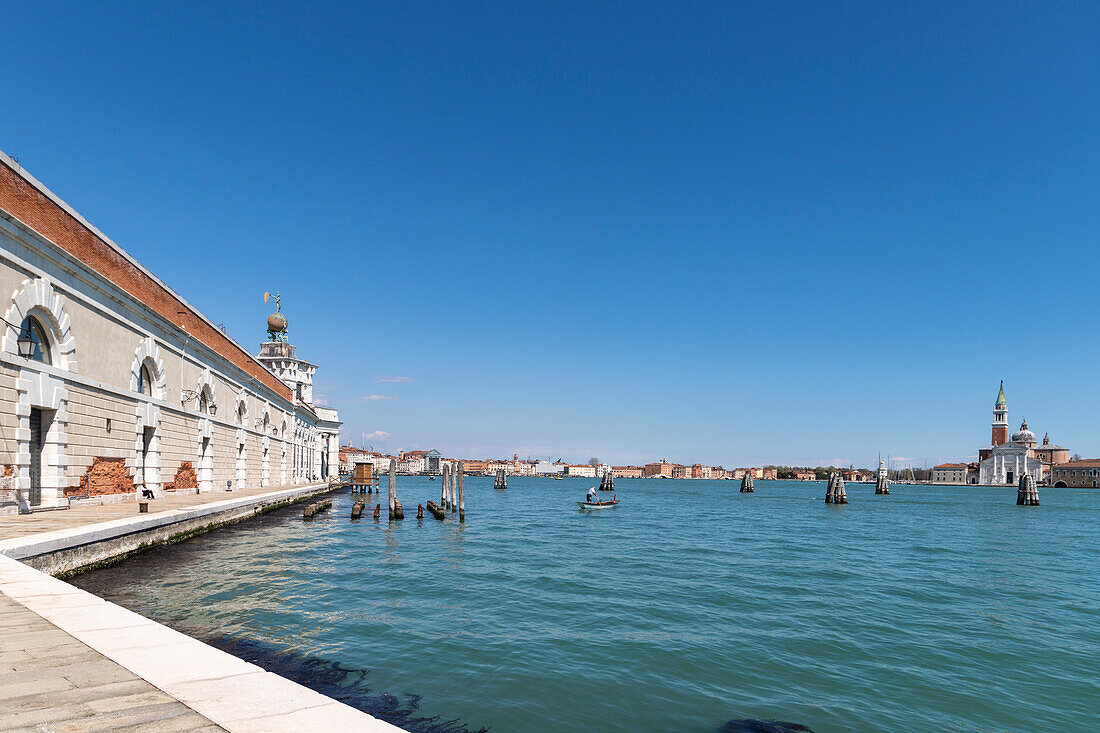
{"type": "Point", "coordinates": [377, 397]}
{"type": "Point", "coordinates": [387, 378]}
{"type": "Point", "coordinates": [377, 435]}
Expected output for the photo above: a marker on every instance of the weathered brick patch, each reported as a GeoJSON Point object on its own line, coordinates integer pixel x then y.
{"type": "Point", "coordinates": [185, 478]}
{"type": "Point", "coordinates": [105, 476]}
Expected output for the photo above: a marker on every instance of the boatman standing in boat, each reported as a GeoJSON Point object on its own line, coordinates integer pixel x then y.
{"type": "Point", "coordinates": [591, 497]}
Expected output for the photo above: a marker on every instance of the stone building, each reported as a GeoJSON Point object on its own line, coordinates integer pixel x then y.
{"type": "Point", "coordinates": [949, 473]}
{"type": "Point", "coordinates": [111, 383]}
{"type": "Point", "coordinates": [1076, 474]}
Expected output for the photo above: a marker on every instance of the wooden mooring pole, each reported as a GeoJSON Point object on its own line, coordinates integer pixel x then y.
{"type": "Point", "coordinates": [835, 493]}
{"type": "Point", "coordinates": [446, 478]}
{"type": "Point", "coordinates": [462, 496]}
{"type": "Point", "coordinates": [396, 512]}
{"type": "Point", "coordinates": [1028, 493]}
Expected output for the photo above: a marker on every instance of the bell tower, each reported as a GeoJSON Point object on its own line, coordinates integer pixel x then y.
{"type": "Point", "coordinates": [1000, 418]}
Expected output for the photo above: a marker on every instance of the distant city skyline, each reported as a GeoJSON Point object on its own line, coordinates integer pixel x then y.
{"type": "Point", "coordinates": [719, 234]}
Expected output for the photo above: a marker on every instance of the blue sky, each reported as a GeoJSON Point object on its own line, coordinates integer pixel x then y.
{"type": "Point", "coordinates": [733, 233]}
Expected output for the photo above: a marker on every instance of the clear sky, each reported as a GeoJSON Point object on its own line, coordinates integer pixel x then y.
{"type": "Point", "coordinates": [732, 233]}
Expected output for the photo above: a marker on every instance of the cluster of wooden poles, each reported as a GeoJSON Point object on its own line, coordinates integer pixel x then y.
{"type": "Point", "coordinates": [1026, 495]}
{"type": "Point", "coordinates": [453, 498]}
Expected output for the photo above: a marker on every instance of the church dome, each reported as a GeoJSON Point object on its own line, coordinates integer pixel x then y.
{"type": "Point", "coordinates": [1023, 435]}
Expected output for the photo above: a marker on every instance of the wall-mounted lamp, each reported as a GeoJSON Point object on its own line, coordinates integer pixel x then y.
{"type": "Point", "coordinates": [24, 342]}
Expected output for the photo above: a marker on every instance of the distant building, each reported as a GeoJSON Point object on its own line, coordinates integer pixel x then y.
{"type": "Point", "coordinates": [474, 467]}
{"type": "Point", "coordinates": [546, 468]}
{"type": "Point", "coordinates": [700, 471]}
{"type": "Point", "coordinates": [423, 461]}
{"type": "Point", "coordinates": [582, 470]}
{"type": "Point", "coordinates": [805, 475]}
{"type": "Point", "coordinates": [627, 471]}
{"type": "Point", "coordinates": [1076, 474]}
{"type": "Point", "coordinates": [949, 473]}
{"type": "Point", "coordinates": [857, 475]}
{"type": "Point", "coordinates": [381, 462]}
{"type": "Point", "coordinates": [1008, 457]}
{"type": "Point", "coordinates": [679, 471]}
{"type": "Point", "coordinates": [1050, 455]}
{"type": "Point", "coordinates": [769, 474]}
{"type": "Point", "coordinates": [348, 456]}
{"type": "Point", "coordinates": [661, 469]}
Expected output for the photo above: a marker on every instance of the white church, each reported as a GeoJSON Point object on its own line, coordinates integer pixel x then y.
{"type": "Point", "coordinates": [1008, 458]}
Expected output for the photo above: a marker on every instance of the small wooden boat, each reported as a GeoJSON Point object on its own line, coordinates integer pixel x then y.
{"type": "Point", "coordinates": [599, 505]}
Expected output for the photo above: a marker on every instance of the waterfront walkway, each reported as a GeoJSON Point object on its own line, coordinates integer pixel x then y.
{"type": "Point", "coordinates": [51, 681]}
{"type": "Point", "coordinates": [71, 661]}
{"type": "Point", "coordinates": [19, 525]}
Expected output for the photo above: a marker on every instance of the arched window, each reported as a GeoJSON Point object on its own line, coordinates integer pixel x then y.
{"type": "Point", "coordinates": [204, 403]}
{"type": "Point", "coordinates": [34, 329]}
{"type": "Point", "coordinates": [145, 380]}
{"type": "Point", "coordinates": [241, 413]}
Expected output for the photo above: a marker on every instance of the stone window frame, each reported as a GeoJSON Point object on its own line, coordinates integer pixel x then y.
{"type": "Point", "coordinates": [42, 386]}
{"type": "Point", "coordinates": [148, 356]}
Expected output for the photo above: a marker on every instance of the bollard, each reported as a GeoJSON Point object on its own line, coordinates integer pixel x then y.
{"type": "Point", "coordinates": [377, 511]}
{"type": "Point", "coordinates": [143, 507]}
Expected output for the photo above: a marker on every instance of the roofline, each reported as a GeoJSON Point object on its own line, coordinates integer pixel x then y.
{"type": "Point", "coordinates": [57, 201]}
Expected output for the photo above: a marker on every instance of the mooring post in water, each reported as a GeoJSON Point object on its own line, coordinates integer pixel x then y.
{"type": "Point", "coordinates": [461, 495]}
{"type": "Point", "coordinates": [443, 486]}
{"type": "Point", "coordinates": [393, 490]}
{"type": "Point", "coordinates": [419, 511]}
{"type": "Point", "coordinates": [357, 509]}
{"type": "Point", "coordinates": [448, 486]}
{"type": "Point", "coordinates": [1028, 493]}
{"type": "Point", "coordinates": [882, 482]}
{"type": "Point", "coordinates": [835, 494]}
{"type": "Point", "coordinates": [436, 510]}
{"type": "Point", "coordinates": [451, 489]}
{"type": "Point", "coordinates": [747, 483]}
{"type": "Point", "coordinates": [377, 511]}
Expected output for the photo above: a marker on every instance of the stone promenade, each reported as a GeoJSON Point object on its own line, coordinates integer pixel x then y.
{"type": "Point", "coordinates": [71, 661]}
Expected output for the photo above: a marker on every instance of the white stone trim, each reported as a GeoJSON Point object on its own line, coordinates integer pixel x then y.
{"type": "Point", "coordinates": [148, 416]}
{"type": "Point", "coordinates": [148, 353]}
{"type": "Point", "coordinates": [206, 383]}
{"type": "Point", "coordinates": [43, 391]}
{"type": "Point", "coordinates": [265, 463]}
{"type": "Point", "coordinates": [204, 469]}
{"type": "Point", "coordinates": [37, 297]}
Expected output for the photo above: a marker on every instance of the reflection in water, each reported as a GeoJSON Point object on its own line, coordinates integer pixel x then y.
{"type": "Point", "coordinates": [347, 684]}
{"type": "Point", "coordinates": [690, 607]}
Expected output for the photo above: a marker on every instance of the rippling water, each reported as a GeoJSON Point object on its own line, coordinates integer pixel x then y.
{"type": "Point", "coordinates": [688, 606]}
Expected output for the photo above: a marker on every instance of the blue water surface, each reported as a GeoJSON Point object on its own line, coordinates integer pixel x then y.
{"type": "Point", "coordinates": [686, 607]}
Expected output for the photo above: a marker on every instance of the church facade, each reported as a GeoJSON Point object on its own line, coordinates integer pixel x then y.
{"type": "Point", "coordinates": [111, 384]}
{"type": "Point", "coordinates": [1011, 456]}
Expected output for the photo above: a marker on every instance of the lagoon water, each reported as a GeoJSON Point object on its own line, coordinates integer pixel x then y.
{"type": "Point", "coordinates": [685, 608]}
